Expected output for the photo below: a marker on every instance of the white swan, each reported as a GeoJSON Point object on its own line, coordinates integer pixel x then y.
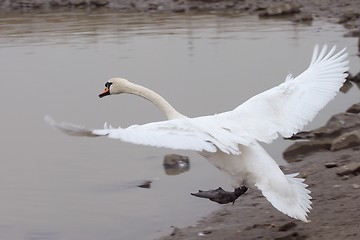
{"type": "Point", "coordinates": [230, 140]}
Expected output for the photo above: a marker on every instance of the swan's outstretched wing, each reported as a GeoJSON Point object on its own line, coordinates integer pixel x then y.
{"type": "Point", "coordinates": [174, 134]}
{"type": "Point", "coordinates": [287, 108]}
{"type": "Point", "coordinates": [199, 134]}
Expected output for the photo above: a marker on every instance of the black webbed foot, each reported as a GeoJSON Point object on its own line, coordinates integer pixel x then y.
{"type": "Point", "coordinates": [220, 195]}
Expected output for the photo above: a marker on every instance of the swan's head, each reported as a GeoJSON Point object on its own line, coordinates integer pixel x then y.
{"type": "Point", "coordinates": [115, 86]}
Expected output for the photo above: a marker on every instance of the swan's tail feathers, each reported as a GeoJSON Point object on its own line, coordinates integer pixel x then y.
{"type": "Point", "coordinates": [290, 197]}
{"type": "Point", "coordinates": [71, 129]}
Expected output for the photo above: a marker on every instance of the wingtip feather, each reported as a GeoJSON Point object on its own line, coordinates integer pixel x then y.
{"type": "Point", "coordinates": [69, 128]}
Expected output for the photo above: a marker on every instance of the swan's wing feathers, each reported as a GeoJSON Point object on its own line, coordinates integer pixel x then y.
{"type": "Point", "coordinates": [287, 108]}
{"type": "Point", "coordinates": [174, 134]}
{"type": "Point", "coordinates": [70, 128]}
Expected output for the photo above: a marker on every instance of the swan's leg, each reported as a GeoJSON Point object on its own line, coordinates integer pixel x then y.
{"type": "Point", "coordinates": [220, 195]}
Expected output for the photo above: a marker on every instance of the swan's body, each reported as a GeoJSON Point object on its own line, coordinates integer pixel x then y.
{"type": "Point", "coordinates": [230, 140]}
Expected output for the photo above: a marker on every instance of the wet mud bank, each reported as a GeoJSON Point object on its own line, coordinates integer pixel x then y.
{"type": "Point", "coordinates": [346, 12]}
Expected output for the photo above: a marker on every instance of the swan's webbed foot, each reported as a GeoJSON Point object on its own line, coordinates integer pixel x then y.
{"type": "Point", "coordinates": [220, 195]}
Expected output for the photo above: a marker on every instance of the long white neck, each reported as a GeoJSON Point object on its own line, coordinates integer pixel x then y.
{"type": "Point", "coordinates": [156, 99]}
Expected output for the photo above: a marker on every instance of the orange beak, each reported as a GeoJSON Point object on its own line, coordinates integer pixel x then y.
{"type": "Point", "coordinates": [104, 93]}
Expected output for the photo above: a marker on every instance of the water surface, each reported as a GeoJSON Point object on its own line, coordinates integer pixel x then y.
{"type": "Point", "coordinates": [58, 187]}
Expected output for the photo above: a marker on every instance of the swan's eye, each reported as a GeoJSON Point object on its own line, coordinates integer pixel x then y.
{"type": "Point", "coordinates": [108, 84]}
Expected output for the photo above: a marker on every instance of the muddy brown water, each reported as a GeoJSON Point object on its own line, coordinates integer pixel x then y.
{"type": "Point", "coordinates": [58, 187]}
